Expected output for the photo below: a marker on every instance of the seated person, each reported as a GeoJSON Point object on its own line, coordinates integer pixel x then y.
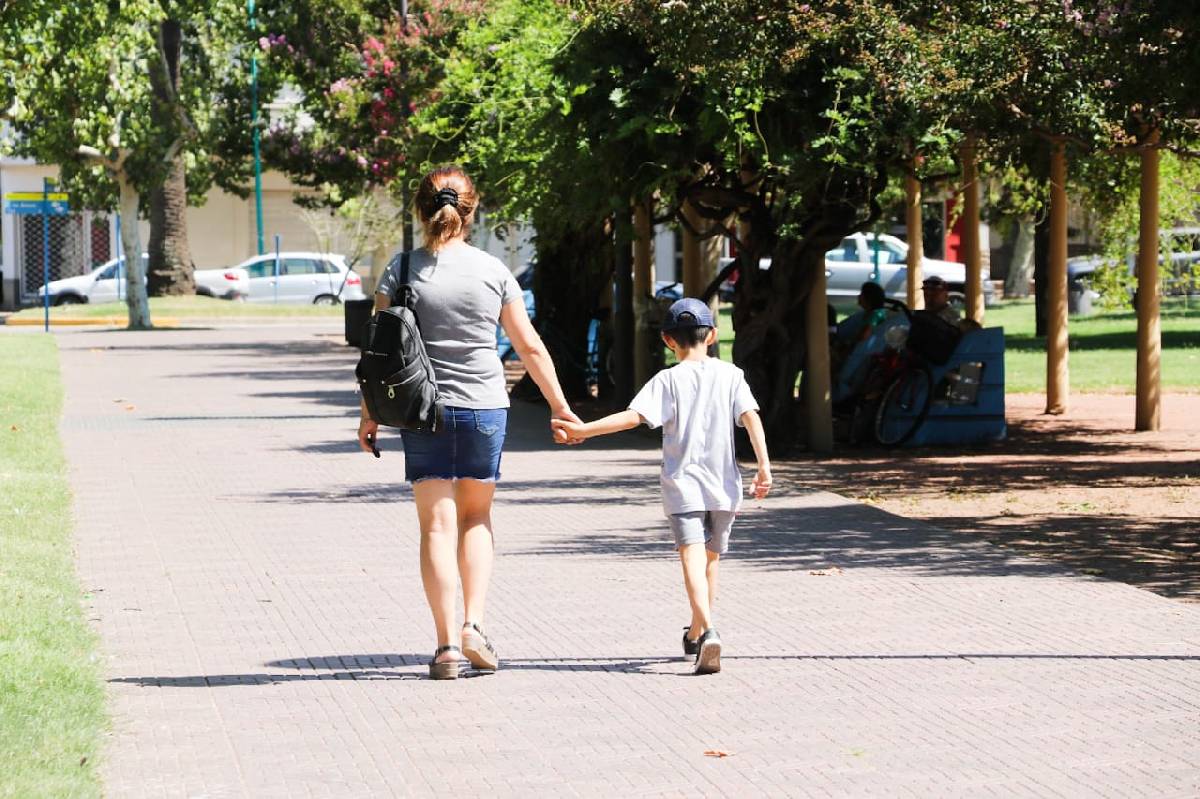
{"type": "Point", "coordinates": [858, 326]}
{"type": "Point", "coordinates": [937, 299]}
{"type": "Point", "coordinates": [846, 353]}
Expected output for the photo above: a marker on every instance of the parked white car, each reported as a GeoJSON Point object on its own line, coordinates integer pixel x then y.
{"type": "Point", "coordinates": [853, 263]}
{"type": "Point", "coordinates": [302, 277]}
{"type": "Point", "coordinates": [107, 283]}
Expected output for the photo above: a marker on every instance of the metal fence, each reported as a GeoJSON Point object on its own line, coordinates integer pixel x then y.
{"type": "Point", "coordinates": [79, 242]}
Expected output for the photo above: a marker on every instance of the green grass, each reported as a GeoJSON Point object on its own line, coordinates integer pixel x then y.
{"type": "Point", "coordinates": [1103, 348]}
{"type": "Point", "coordinates": [190, 307]}
{"type": "Point", "coordinates": [51, 696]}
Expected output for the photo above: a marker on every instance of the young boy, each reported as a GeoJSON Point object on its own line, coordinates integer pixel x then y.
{"type": "Point", "coordinates": [697, 402]}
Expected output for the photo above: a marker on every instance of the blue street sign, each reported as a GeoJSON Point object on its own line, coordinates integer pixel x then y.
{"type": "Point", "coordinates": [30, 202]}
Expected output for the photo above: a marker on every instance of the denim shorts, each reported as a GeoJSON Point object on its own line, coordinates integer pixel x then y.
{"type": "Point", "coordinates": [708, 527]}
{"type": "Point", "coordinates": [467, 446]}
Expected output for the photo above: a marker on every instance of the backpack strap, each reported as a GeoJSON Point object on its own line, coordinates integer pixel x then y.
{"type": "Point", "coordinates": [404, 290]}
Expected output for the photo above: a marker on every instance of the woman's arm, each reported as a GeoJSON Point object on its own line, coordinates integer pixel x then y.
{"type": "Point", "coordinates": [528, 344]}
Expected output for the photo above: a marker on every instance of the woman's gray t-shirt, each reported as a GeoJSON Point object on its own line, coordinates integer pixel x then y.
{"type": "Point", "coordinates": [458, 293]}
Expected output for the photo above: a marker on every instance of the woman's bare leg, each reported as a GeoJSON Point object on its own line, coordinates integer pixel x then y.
{"type": "Point", "coordinates": [473, 499]}
{"type": "Point", "coordinates": [439, 542]}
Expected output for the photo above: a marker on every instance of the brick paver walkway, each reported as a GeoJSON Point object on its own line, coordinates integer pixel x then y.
{"type": "Point", "coordinates": [254, 580]}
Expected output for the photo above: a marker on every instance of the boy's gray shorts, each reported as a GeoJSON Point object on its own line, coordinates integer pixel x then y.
{"type": "Point", "coordinates": [708, 527]}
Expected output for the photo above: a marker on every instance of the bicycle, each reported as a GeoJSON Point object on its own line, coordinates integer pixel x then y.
{"type": "Point", "coordinates": [898, 391]}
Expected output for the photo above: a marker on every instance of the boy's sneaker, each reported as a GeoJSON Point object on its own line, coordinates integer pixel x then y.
{"type": "Point", "coordinates": [708, 658]}
{"type": "Point", "coordinates": [690, 648]}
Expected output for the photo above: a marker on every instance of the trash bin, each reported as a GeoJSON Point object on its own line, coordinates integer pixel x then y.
{"type": "Point", "coordinates": [358, 313]}
{"type": "Point", "coordinates": [1079, 298]}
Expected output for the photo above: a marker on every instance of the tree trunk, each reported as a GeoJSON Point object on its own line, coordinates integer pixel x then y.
{"type": "Point", "coordinates": [1041, 272]}
{"type": "Point", "coordinates": [135, 292]}
{"type": "Point", "coordinates": [1149, 336]}
{"type": "Point", "coordinates": [623, 321]}
{"type": "Point", "coordinates": [700, 259]}
{"type": "Point", "coordinates": [768, 315]}
{"type": "Point", "coordinates": [646, 343]}
{"type": "Point", "coordinates": [1058, 385]}
{"type": "Point", "coordinates": [1020, 271]}
{"type": "Point", "coordinates": [916, 242]}
{"type": "Point", "coordinates": [817, 378]}
{"type": "Point", "coordinates": [572, 277]}
{"type": "Point", "coordinates": [972, 256]}
{"type": "Point", "coordinates": [171, 268]}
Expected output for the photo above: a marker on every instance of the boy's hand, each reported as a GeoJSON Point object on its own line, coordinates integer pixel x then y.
{"type": "Point", "coordinates": [567, 432]}
{"type": "Point", "coordinates": [762, 483]}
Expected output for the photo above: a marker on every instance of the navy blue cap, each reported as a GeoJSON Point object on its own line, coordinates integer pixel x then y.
{"type": "Point", "coordinates": [688, 312]}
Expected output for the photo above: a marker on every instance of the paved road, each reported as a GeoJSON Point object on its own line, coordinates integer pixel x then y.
{"type": "Point", "coordinates": [254, 581]}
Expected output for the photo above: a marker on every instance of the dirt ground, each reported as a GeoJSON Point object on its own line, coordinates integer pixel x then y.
{"type": "Point", "coordinates": [1082, 488]}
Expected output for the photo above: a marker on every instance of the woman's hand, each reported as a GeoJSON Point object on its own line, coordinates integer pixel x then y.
{"type": "Point", "coordinates": [565, 414]}
{"type": "Point", "coordinates": [368, 430]}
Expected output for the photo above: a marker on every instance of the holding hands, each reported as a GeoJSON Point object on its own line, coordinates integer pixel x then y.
{"type": "Point", "coordinates": [562, 422]}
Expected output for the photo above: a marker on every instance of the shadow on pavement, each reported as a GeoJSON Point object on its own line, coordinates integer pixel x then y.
{"type": "Point", "coordinates": [385, 667]}
{"type": "Point", "coordinates": [820, 539]}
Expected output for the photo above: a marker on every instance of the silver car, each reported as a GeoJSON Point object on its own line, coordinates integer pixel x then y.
{"type": "Point", "coordinates": [854, 262]}
{"type": "Point", "coordinates": [302, 278]}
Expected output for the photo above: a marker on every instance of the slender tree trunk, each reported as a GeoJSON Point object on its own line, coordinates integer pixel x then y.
{"type": "Point", "coordinates": [817, 378]}
{"type": "Point", "coordinates": [1149, 336]}
{"type": "Point", "coordinates": [700, 259]}
{"type": "Point", "coordinates": [171, 271]}
{"type": "Point", "coordinates": [623, 321]}
{"type": "Point", "coordinates": [1041, 273]}
{"type": "Point", "coordinates": [916, 243]}
{"type": "Point", "coordinates": [1058, 385]}
{"type": "Point", "coordinates": [135, 293]}
{"type": "Point", "coordinates": [1021, 269]}
{"type": "Point", "coordinates": [645, 333]}
{"type": "Point", "coordinates": [970, 237]}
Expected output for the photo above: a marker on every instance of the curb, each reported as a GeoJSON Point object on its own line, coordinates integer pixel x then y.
{"type": "Point", "coordinates": [98, 321]}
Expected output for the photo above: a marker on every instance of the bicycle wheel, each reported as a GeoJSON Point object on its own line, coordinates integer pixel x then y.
{"type": "Point", "coordinates": [903, 406]}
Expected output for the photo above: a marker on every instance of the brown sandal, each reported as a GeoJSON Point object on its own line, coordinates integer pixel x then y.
{"type": "Point", "coordinates": [446, 670]}
{"type": "Point", "coordinates": [478, 648]}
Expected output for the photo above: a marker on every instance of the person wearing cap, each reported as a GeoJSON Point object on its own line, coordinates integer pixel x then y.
{"type": "Point", "coordinates": [937, 299]}
{"type": "Point", "coordinates": [697, 402]}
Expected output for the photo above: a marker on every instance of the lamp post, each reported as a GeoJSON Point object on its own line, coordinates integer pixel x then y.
{"type": "Point", "coordinates": [258, 214]}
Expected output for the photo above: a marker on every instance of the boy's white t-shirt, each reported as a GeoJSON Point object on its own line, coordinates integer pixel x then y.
{"type": "Point", "coordinates": [697, 404]}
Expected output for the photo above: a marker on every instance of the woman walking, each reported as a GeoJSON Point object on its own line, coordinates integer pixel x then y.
{"type": "Point", "coordinates": [459, 294]}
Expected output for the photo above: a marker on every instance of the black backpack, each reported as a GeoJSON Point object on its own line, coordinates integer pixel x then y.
{"type": "Point", "coordinates": [394, 372]}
